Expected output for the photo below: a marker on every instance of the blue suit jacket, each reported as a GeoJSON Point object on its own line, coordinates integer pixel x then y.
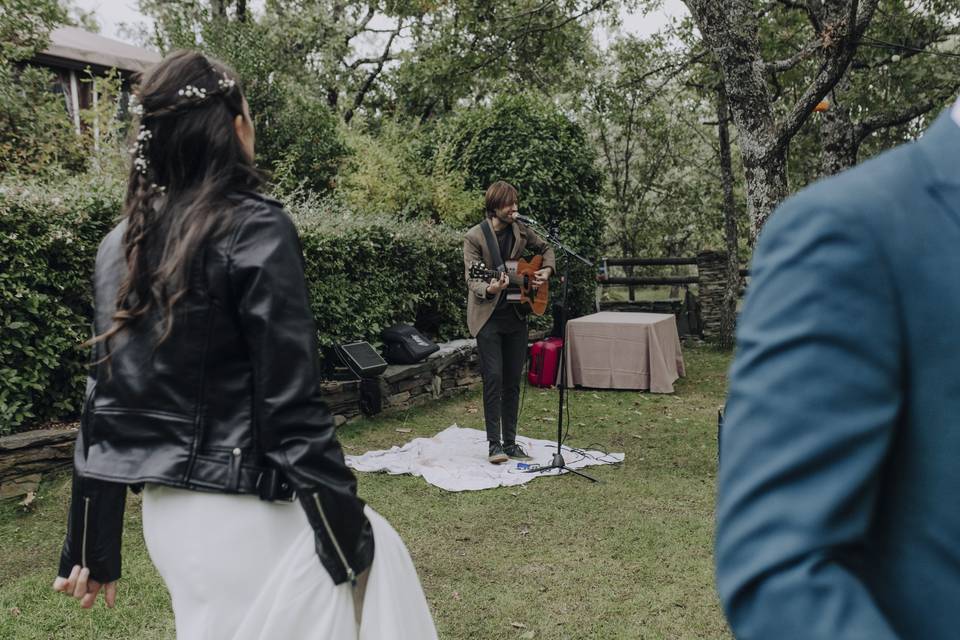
{"type": "Point", "coordinates": [838, 512]}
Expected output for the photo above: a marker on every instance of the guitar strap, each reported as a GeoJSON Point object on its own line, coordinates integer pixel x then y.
{"type": "Point", "coordinates": [492, 245]}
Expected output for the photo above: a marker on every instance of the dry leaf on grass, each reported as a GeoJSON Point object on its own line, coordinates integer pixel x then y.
{"type": "Point", "coordinates": [404, 430]}
{"type": "Point", "coordinates": [518, 625]}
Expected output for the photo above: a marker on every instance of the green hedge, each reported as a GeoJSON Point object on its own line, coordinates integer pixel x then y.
{"type": "Point", "coordinates": [48, 243]}
{"type": "Point", "coordinates": [365, 272]}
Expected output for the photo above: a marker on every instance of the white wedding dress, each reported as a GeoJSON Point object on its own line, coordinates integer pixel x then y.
{"type": "Point", "coordinates": [239, 568]}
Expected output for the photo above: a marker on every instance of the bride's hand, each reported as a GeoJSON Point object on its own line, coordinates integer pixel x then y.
{"type": "Point", "coordinates": [80, 586]}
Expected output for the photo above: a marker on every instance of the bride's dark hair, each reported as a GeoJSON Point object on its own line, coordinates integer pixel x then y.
{"type": "Point", "coordinates": [187, 160]}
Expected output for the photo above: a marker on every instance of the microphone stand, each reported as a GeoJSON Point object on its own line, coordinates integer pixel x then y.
{"type": "Point", "coordinates": [558, 461]}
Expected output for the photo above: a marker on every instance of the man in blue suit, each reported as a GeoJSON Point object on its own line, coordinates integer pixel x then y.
{"type": "Point", "coordinates": [838, 513]}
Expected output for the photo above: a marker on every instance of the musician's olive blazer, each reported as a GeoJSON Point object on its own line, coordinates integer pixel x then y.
{"type": "Point", "coordinates": [479, 306]}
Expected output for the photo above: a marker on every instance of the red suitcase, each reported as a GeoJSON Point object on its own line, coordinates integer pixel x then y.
{"type": "Point", "coordinates": [544, 362]}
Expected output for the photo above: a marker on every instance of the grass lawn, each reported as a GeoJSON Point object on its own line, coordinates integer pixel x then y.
{"type": "Point", "coordinates": [558, 558]}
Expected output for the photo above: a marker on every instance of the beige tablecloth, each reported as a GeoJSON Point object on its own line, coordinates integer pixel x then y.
{"type": "Point", "coordinates": [611, 350]}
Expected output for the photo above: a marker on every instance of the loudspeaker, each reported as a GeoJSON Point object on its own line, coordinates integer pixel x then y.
{"type": "Point", "coordinates": [362, 359]}
{"type": "Point", "coordinates": [403, 344]}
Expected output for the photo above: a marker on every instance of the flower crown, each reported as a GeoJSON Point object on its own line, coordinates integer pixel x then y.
{"type": "Point", "coordinates": [194, 96]}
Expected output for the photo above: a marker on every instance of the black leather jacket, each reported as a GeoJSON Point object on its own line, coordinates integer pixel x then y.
{"type": "Point", "coordinates": [229, 402]}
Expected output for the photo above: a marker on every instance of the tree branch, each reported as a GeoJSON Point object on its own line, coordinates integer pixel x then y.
{"type": "Point", "coordinates": [886, 120]}
{"type": "Point", "coordinates": [362, 61]}
{"type": "Point", "coordinates": [839, 56]}
{"type": "Point", "coordinates": [529, 12]}
{"type": "Point", "coordinates": [368, 82]}
{"type": "Point", "coordinates": [779, 66]}
{"type": "Point", "coordinates": [371, 11]}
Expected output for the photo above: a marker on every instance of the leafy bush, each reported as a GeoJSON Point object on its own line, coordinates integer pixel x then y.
{"type": "Point", "coordinates": [298, 140]}
{"type": "Point", "coordinates": [48, 244]}
{"type": "Point", "coordinates": [368, 272]}
{"type": "Point", "coordinates": [530, 143]}
{"type": "Point", "coordinates": [36, 135]}
{"type": "Point", "coordinates": [365, 273]}
{"type": "Point", "coordinates": [297, 136]}
{"type": "Point", "coordinates": [388, 172]}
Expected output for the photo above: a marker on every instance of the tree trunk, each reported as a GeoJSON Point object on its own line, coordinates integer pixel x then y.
{"type": "Point", "coordinates": [731, 32]}
{"type": "Point", "coordinates": [766, 178]}
{"type": "Point", "coordinates": [728, 313]}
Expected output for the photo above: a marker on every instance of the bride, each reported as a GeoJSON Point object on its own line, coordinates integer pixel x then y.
{"type": "Point", "coordinates": [204, 393]}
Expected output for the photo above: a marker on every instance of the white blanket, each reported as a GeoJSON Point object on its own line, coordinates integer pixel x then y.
{"type": "Point", "coordinates": [456, 460]}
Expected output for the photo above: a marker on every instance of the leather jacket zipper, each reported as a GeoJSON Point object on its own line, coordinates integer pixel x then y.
{"type": "Point", "coordinates": [351, 575]}
{"type": "Point", "coordinates": [86, 517]}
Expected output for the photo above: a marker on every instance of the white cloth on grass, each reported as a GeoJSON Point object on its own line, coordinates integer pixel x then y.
{"type": "Point", "coordinates": [456, 460]}
{"type": "Point", "coordinates": [239, 568]}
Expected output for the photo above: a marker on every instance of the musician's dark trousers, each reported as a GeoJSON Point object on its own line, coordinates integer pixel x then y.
{"type": "Point", "coordinates": [502, 345]}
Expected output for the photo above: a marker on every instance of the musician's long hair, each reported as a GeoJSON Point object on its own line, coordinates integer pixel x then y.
{"type": "Point", "coordinates": [187, 159]}
{"type": "Point", "coordinates": [500, 194]}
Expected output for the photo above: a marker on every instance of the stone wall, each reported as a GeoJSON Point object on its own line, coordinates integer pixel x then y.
{"type": "Point", "coordinates": [452, 370]}
{"type": "Point", "coordinates": [712, 272]}
{"type": "Point", "coordinates": [25, 457]}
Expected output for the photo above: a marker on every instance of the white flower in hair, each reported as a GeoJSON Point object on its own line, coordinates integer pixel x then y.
{"type": "Point", "coordinates": [140, 160]}
{"type": "Point", "coordinates": [226, 82]}
{"type": "Point", "coordinates": [134, 105]}
{"type": "Point", "coordinates": [191, 91]}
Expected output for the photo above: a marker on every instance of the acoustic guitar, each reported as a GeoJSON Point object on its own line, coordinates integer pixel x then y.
{"type": "Point", "coordinates": [521, 275]}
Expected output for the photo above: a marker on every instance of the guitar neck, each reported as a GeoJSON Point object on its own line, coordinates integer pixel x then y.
{"type": "Point", "coordinates": [513, 278]}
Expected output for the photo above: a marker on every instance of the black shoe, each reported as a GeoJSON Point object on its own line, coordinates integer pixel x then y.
{"type": "Point", "coordinates": [497, 456]}
{"type": "Point", "coordinates": [515, 451]}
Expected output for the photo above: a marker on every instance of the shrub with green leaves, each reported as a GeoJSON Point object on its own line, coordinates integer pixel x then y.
{"type": "Point", "coordinates": [297, 136]}
{"type": "Point", "coordinates": [36, 135]}
{"type": "Point", "coordinates": [365, 273]}
{"type": "Point", "coordinates": [298, 140]}
{"type": "Point", "coordinates": [388, 172]}
{"type": "Point", "coordinates": [48, 243]}
{"type": "Point", "coordinates": [368, 272]}
{"type": "Point", "coordinates": [530, 143]}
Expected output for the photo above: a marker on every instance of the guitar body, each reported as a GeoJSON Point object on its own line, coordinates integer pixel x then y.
{"type": "Point", "coordinates": [535, 297]}
{"type": "Point", "coordinates": [521, 290]}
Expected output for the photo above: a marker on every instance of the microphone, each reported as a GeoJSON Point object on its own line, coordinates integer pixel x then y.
{"type": "Point", "coordinates": [526, 220]}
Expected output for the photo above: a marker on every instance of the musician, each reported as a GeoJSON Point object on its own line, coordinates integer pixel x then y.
{"type": "Point", "coordinates": [501, 326]}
